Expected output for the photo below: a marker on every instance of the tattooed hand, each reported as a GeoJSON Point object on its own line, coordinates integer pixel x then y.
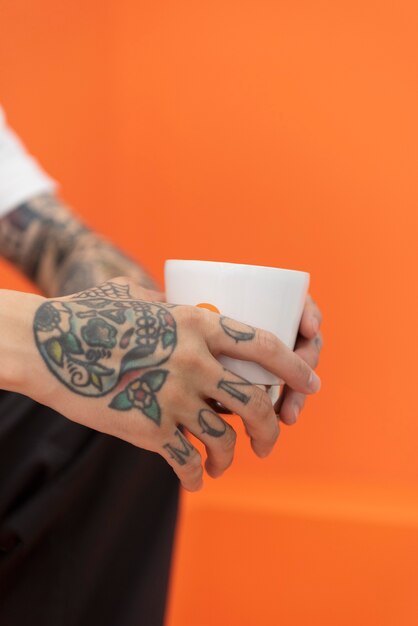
{"type": "Point", "coordinates": [141, 370]}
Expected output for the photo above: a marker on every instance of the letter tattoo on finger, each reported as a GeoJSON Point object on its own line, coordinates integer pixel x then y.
{"type": "Point", "coordinates": [233, 329]}
{"type": "Point", "coordinates": [181, 454]}
{"type": "Point", "coordinates": [211, 424]}
{"type": "Point", "coordinates": [234, 387]}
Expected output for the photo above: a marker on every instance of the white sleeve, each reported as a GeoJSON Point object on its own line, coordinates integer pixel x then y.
{"type": "Point", "coordinates": [21, 178]}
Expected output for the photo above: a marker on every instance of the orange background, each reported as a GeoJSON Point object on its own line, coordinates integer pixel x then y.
{"type": "Point", "coordinates": [275, 133]}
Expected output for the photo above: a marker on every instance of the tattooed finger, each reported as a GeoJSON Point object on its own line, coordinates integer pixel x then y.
{"type": "Point", "coordinates": [235, 386]}
{"type": "Point", "coordinates": [211, 424]}
{"type": "Point", "coordinates": [250, 402]}
{"type": "Point", "coordinates": [185, 461]}
{"type": "Point", "coordinates": [219, 439]}
{"type": "Point", "coordinates": [263, 348]}
{"type": "Point", "coordinates": [236, 330]}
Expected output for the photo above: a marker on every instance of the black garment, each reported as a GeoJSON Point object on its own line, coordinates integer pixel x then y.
{"type": "Point", "coordinates": [86, 523]}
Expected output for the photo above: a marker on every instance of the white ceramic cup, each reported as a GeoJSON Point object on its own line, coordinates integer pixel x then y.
{"type": "Point", "coordinates": [266, 297]}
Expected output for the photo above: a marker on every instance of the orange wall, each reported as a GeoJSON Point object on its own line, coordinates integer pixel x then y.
{"type": "Point", "coordinates": [275, 133]}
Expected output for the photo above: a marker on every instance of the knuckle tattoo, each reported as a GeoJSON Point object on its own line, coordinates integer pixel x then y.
{"type": "Point", "coordinates": [235, 386]}
{"type": "Point", "coordinates": [211, 424]}
{"type": "Point", "coordinates": [236, 330]}
{"type": "Point", "coordinates": [180, 449]}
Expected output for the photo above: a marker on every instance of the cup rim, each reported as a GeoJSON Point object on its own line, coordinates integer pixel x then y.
{"type": "Point", "coordinates": [246, 265]}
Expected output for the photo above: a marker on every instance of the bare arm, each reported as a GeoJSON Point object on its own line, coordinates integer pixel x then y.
{"type": "Point", "coordinates": [56, 251]}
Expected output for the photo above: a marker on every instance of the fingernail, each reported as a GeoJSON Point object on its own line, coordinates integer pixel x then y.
{"type": "Point", "coordinates": [315, 324]}
{"type": "Point", "coordinates": [314, 382]}
{"type": "Point", "coordinates": [296, 410]}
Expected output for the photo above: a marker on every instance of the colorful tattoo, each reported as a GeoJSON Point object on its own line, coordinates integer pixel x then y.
{"type": "Point", "coordinates": [140, 393]}
{"type": "Point", "coordinates": [77, 337]}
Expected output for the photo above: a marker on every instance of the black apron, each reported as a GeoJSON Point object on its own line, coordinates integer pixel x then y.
{"type": "Point", "coordinates": [86, 523]}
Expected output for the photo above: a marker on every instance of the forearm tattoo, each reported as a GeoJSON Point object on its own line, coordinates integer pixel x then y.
{"type": "Point", "coordinates": [57, 252]}
{"type": "Point", "coordinates": [77, 338]}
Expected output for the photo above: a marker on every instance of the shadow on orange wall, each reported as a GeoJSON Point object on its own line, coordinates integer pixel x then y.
{"type": "Point", "coordinates": [278, 134]}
